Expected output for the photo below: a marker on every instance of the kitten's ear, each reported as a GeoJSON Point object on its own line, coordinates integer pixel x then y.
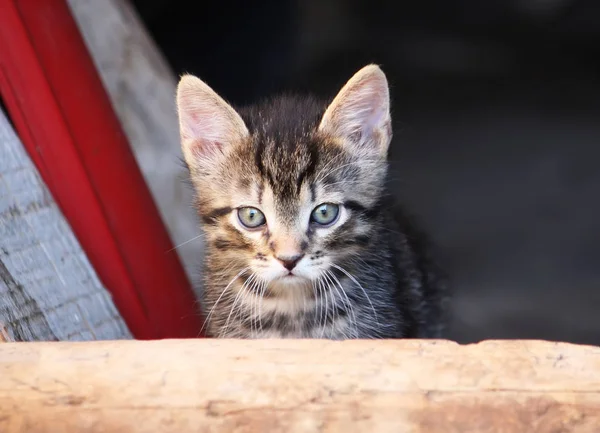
{"type": "Point", "coordinates": [360, 113]}
{"type": "Point", "coordinates": [207, 124]}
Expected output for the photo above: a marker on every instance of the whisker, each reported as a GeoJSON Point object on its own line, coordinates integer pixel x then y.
{"type": "Point", "coordinates": [333, 161]}
{"type": "Point", "coordinates": [359, 262]}
{"type": "Point", "coordinates": [325, 288]}
{"type": "Point", "coordinates": [348, 303]}
{"type": "Point", "coordinates": [255, 304]}
{"type": "Point", "coordinates": [240, 294]}
{"type": "Point", "coordinates": [334, 310]}
{"type": "Point", "coordinates": [336, 160]}
{"type": "Point", "coordinates": [240, 312]}
{"type": "Point", "coordinates": [304, 309]}
{"type": "Point", "coordinates": [316, 296]}
{"type": "Point", "coordinates": [220, 296]}
{"type": "Point", "coordinates": [262, 294]}
{"type": "Point", "coordinates": [252, 301]}
{"type": "Point", "coordinates": [361, 288]}
{"type": "Point", "coordinates": [327, 275]}
{"type": "Point", "coordinates": [319, 319]}
{"type": "Point", "coordinates": [184, 243]}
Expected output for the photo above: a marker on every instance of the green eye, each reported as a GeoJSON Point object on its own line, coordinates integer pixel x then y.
{"type": "Point", "coordinates": [325, 214]}
{"type": "Point", "coordinates": [251, 217]}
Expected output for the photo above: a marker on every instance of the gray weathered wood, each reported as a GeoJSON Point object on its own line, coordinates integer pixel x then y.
{"type": "Point", "coordinates": [48, 289]}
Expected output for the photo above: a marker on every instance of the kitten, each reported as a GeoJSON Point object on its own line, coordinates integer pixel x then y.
{"type": "Point", "coordinates": [302, 238]}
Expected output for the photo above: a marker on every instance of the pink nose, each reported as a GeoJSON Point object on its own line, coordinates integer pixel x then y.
{"type": "Point", "coordinates": [291, 261]}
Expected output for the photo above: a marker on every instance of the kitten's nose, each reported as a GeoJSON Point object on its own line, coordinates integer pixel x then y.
{"type": "Point", "coordinates": [289, 262]}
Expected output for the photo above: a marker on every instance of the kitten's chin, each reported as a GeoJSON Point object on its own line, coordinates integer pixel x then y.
{"type": "Point", "coordinates": [291, 279]}
{"type": "Point", "coordinates": [290, 283]}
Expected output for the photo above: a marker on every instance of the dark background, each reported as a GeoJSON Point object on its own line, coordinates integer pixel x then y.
{"type": "Point", "coordinates": [497, 130]}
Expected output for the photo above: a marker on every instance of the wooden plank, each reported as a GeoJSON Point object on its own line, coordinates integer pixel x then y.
{"type": "Point", "coordinates": [48, 288]}
{"type": "Point", "coordinates": [299, 386]}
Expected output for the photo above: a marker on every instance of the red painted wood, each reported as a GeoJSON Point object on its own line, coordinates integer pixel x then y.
{"type": "Point", "coordinates": [66, 122]}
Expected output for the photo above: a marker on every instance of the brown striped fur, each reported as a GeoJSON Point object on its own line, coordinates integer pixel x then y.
{"type": "Point", "coordinates": [367, 276]}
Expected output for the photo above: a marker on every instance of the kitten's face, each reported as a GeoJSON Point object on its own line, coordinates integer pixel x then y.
{"type": "Point", "coordinates": [288, 215]}
{"type": "Point", "coordinates": [285, 212]}
{"type": "Point", "coordinates": [286, 192]}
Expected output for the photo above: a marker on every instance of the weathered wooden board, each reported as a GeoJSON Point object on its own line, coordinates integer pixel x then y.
{"type": "Point", "coordinates": [48, 288]}
{"type": "Point", "coordinates": [299, 386]}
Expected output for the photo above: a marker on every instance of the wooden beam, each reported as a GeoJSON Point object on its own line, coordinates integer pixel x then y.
{"type": "Point", "coordinates": [299, 386]}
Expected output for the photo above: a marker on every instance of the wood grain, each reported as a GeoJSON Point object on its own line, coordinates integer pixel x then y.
{"type": "Point", "coordinates": [299, 386]}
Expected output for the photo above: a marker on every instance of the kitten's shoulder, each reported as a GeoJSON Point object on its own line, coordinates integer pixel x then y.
{"type": "Point", "coordinates": [425, 255]}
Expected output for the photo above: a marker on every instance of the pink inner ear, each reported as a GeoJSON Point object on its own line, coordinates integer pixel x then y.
{"type": "Point", "coordinates": [195, 122]}
{"type": "Point", "coordinates": [361, 107]}
{"type": "Point", "coordinates": [362, 116]}
{"type": "Point", "coordinates": [206, 125]}
{"type": "Point", "coordinates": [373, 120]}
{"type": "Point", "coordinates": [207, 122]}
{"type": "Point", "coordinates": [196, 127]}
{"type": "Point", "coordinates": [203, 148]}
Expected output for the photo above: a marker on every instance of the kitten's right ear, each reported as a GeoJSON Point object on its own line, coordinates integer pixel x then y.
{"type": "Point", "coordinates": [207, 124]}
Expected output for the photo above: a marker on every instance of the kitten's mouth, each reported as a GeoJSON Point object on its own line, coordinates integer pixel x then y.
{"type": "Point", "coordinates": [291, 277]}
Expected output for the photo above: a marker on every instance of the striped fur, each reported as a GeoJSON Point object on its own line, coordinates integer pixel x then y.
{"type": "Point", "coordinates": [369, 275]}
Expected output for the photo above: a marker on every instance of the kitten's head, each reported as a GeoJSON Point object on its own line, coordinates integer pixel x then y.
{"type": "Point", "coordinates": [290, 188]}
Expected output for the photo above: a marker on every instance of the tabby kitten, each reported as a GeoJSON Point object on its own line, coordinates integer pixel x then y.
{"type": "Point", "coordinates": [302, 239]}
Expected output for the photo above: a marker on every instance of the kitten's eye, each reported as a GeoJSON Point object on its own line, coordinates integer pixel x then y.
{"type": "Point", "coordinates": [251, 217]}
{"type": "Point", "coordinates": [325, 214]}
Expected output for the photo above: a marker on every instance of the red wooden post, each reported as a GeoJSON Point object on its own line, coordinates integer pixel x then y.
{"type": "Point", "coordinates": [66, 122]}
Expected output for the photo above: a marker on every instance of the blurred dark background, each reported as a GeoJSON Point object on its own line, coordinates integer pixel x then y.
{"type": "Point", "coordinates": [497, 130]}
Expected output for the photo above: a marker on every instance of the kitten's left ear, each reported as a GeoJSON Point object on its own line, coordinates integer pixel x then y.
{"type": "Point", "coordinates": [360, 113]}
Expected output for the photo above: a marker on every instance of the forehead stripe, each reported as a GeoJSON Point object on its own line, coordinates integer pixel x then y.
{"type": "Point", "coordinates": [311, 166]}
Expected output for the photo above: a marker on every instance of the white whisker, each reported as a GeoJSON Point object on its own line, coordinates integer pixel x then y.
{"type": "Point", "coordinates": [334, 309]}
{"type": "Point", "coordinates": [209, 315]}
{"type": "Point", "coordinates": [263, 289]}
{"type": "Point", "coordinates": [347, 302]}
{"type": "Point", "coordinates": [254, 290]}
{"type": "Point", "coordinates": [316, 296]}
{"type": "Point", "coordinates": [184, 243]}
{"type": "Point", "coordinates": [253, 308]}
{"type": "Point", "coordinates": [324, 295]}
{"type": "Point", "coordinates": [252, 302]}
{"type": "Point", "coordinates": [319, 300]}
{"type": "Point", "coordinates": [361, 288]}
{"type": "Point", "coordinates": [240, 294]}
